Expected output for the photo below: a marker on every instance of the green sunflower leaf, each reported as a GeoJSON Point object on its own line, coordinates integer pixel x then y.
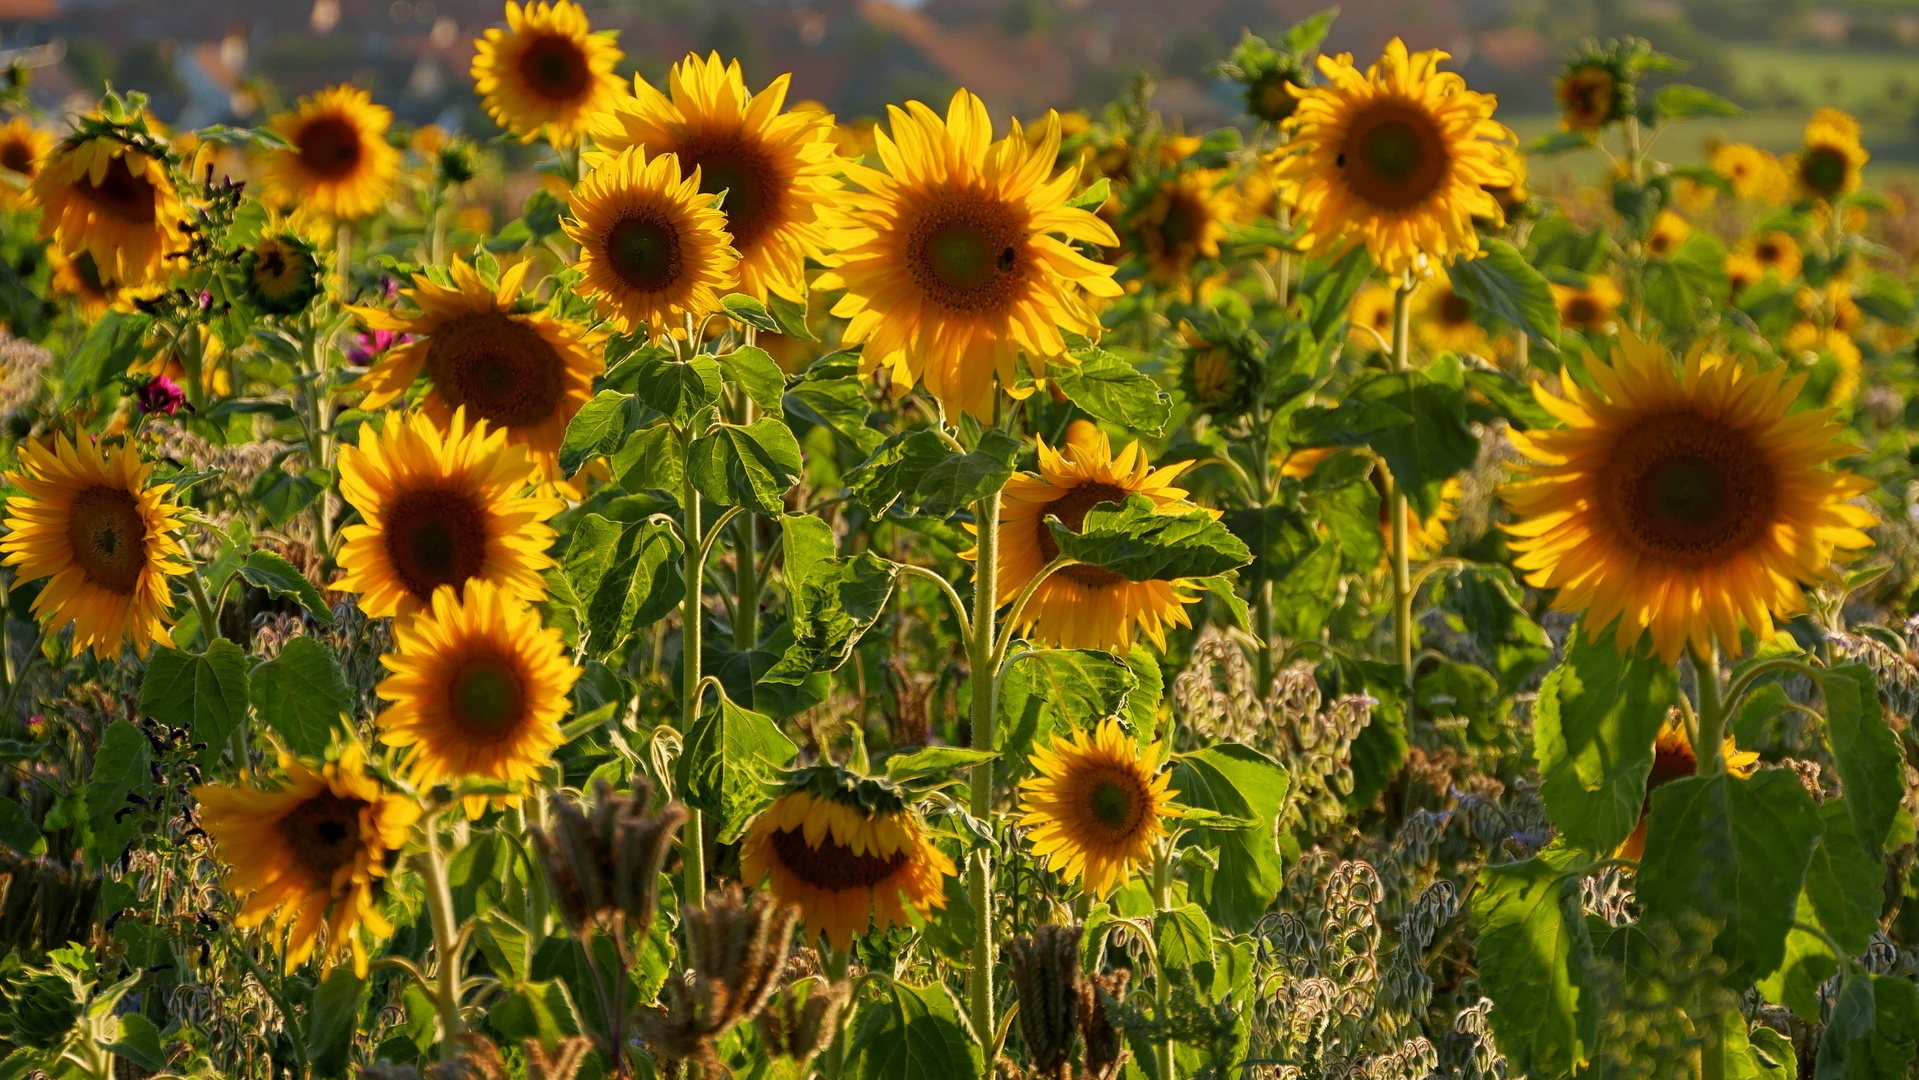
{"type": "Point", "coordinates": [1533, 951]}
{"type": "Point", "coordinates": [682, 389]}
{"type": "Point", "coordinates": [1871, 766]}
{"type": "Point", "coordinates": [746, 309]}
{"type": "Point", "coordinates": [1049, 693]}
{"type": "Point", "coordinates": [280, 578]}
{"type": "Point", "coordinates": [1239, 782]}
{"type": "Point", "coordinates": [1503, 283]}
{"type": "Point", "coordinates": [754, 370]}
{"type": "Point", "coordinates": [1106, 385]}
{"type": "Point", "coordinates": [203, 693]}
{"type": "Point", "coordinates": [751, 465]}
{"type": "Point", "coordinates": [625, 577]}
{"type": "Point", "coordinates": [960, 480]}
{"type": "Point", "coordinates": [1141, 542]}
{"type": "Point", "coordinates": [301, 694]}
{"type": "Point", "coordinates": [119, 769]}
{"type": "Point", "coordinates": [596, 429]}
{"type": "Point", "coordinates": [831, 601]}
{"type": "Point", "coordinates": [729, 753]}
{"type": "Point", "coordinates": [893, 470]}
{"type": "Point", "coordinates": [914, 1033]}
{"type": "Point", "coordinates": [1416, 420]}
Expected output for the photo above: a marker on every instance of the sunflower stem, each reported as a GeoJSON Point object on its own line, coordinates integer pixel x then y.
{"type": "Point", "coordinates": [693, 836]}
{"type": "Point", "coordinates": [833, 1060]}
{"type": "Point", "coordinates": [982, 652]}
{"type": "Point", "coordinates": [446, 939]}
{"type": "Point", "coordinates": [20, 678]}
{"type": "Point", "coordinates": [1162, 988]}
{"type": "Point", "coordinates": [1712, 712]}
{"type": "Point", "coordinates": [1402, 570]}
{"type": "Point", "coordinates": [209, 617]}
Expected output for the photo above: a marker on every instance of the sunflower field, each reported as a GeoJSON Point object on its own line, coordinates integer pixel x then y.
{"type": "Point", "coordinates": [948, 598]}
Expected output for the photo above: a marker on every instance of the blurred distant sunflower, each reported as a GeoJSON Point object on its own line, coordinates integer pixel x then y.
{"type": "Point", "coordinates": [310, 852]}
{"type": "Point", "coordinates": [1219, 371]}
{"type": "Point", "coordinates": [1592, 93]}
{"type": "Point", "coordinates": [22, 148]}
{"type": "Point", "coordinates": [958, 258]}
{"type": "Point", "coordinates": [1836, 356]}
{"type": "Point", "coordinates": [113, 200]}
{"type": "Point", "coordinates": [337, 161]}
{"type": "Point", "coordinates": [1373, 309]}
{"type": "Point", "coordinates": [1085, 607]}
{"type": "Point", "coordinates": [777, 168]}
{"type": "Point", "coordinates": [526, 372]}
{"type": "Point", "coordinates": [282, 273]}
{"type": "Point", "coordinates": [652, 247]}
{"type": "Point", "coordinates": [1266, 77]}
{"type": "Point", "coordinates": [478, 689]}
{"type": "Point", "coordinates": [440, 507]}
{"type": "Point", "coordinates": [1669, 230]}
{"type": "Point", "coordinates": [1753, 173]}
{"type": "Point", "coordinates": [1443, 320]}
{"type": "Point", "coordinates": [1180, 220]}
{"type": "Point", "coordinates": [1673, 759]}
{"type": "Point", "coordinates": [1774, 252]}
{"type": "Point", "coordinates": [546, 71]}
{"type": "Point", "coordinates": [1398, 157]}
{"type": "Point", "coordinates": [848, 852]}
{"type": "Point", "coordinates": [1095, 806]}
{"type": "Point", "coordinates": [1682, 504]}
{"type": "Point", "coordinates": [1829, 165]}
{"type": "Point", "coordinates": [88, 521]}
{"type": "Point", "coordinates": [1591, 307]}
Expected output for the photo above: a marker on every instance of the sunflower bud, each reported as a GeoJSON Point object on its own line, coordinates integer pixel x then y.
{"type": "Point", "coordinates": [604, 859]}
{"type": "Point", "coordinates": [1105, 1046]}
{"type": "Point", "coordinates": [458, 163]}
{"type": "Point", "coordinates": [1051, 989]}
{"type": "Point", "coordinates": [802, 1018]}
{"type": "Point", "coordinates": [736, 948]}
{"type": "Point", "coordinates": [282, 273]}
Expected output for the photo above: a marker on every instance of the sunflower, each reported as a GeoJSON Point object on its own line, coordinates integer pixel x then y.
{"type": "Point", "coordinates": [652, 247]}
{"type": "Point", "coordinates": [1682, 503]}
{"type": "Point", "coordinates": [547, 71]}
{"type": "Point", "coordinates": [113, 200]}
{"type": "Point", "coordinates": [848, 851]}
{"type": "Point", "coordinates": [777, 169]}
{"type": "Point", "coordinates": [1299, 464]}
{"type": "Point", "coordinates": [1753, 173]}
{"type": "Point", "coordinates": [1669, 230]}
{"type": "Point", "coordinates": [1829, 165]}
{"type": "Point", "coordinates": [1831, 306]}
{"type": "Point", "coordinates": [310, 852]}
{"type": "Point", "coordinates": [1085, 607]}
{"type": "Point", "coordinates": [1774, 252]}
{"type": "Point", "coordinates": [1834, 356]}
{"type": "Point", "coordinates": [337, 161]}
{"type": "Point", "coordinates": [1219, 371]}
{"type": "Point", "coordinates": [525, 372]}
{"type": "Point", "coordinates": [1591, 95]}
{"type": "Point", "coordinates": [1372, 309]}
{"type": "Point", "coordinates": [1180, 220]}
{"type": "Point", "coordinates": [1444, 320]}
{"type": "Point", "coordinates": [1591, 307]}
{"type": "Point", "coordinates": [440, 507]}
{"type": "Point", "coordinates": [88, 521]}
{"type": "Point", "coordinates": [478, 689]}
{"type": "Point", "coordinates": [282, 273]}
{"type": "Point", "coordinates": [1425, 537]}
{"type": "Point", "coordinates": [1095, 807]}
{"type": "Point", "coordinates": [1399, 157]}
{"type": "Point", "coordinates": [77, 276]}
{"type": "Point", "coordinates": [958, 257]}
{"type": "Point", "coordinates": [22, 148]}
{"type": "Point", "coordinates": [1673, 759]}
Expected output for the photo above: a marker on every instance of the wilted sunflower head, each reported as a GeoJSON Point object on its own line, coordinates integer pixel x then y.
{"type": "Point", "coordinates": [282, 273]}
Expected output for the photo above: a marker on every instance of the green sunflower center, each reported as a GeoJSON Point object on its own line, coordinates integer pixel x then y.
{"type": "Point", "coordinates": [741, 168]}
{"type": "Point", "coordinates": [968, 252]}
{"type": "Point", "coordinates": [487, 697]}
{"type": "Point", "coordinates": [832, 866]}
{"type": "Point", "coordinates": [1394, 155]}
{"type": "Point", "coordinates": [554, 67]}
{"type": "Point", "coordinates": [644, 251]}
{"type": "Point", "coordinates": [329, 147]}
{"type": "Point", "coordinates": [323, 835]}
{"type": "Point", "coordinates": [500, 368]}
{"type": "Point", "coordinates": [1689, 490]}
{"type": "Point", "coordinates": [434, 538]}
{"type": "Point", "coordinates": [1113, 804]}
{"type": "Point", "coordinates": [108, 538]}
{"type": "Point", "coordinates": [1268, 98]}
{"type": "Point", "coordinates": [1823, 170]}
{"type": "Point", "coordinates": [120, 193]}
{"type": "Point", "coordinates": [1071, 510]}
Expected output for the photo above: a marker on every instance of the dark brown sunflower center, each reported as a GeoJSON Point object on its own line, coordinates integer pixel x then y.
{"type": "Point", "coordinates": [1395, 155]}
{"type": "Point", "coordinates": [1583, 311]}
{"type": "Point", "coordinates": [1672, 760]}
{"type": "Point", "coordinates": [1071, 510]}
{"type": "Point", "coordinates": [1115, 802]}
{"type": "Point", "coordinates": [967, 252]}
{"type": "Point", "coordinates": [1455, 310]}
{"type": "Point", "coordinates": [1184, 224]}
{"type": "Point", "coordinates": [1586, 95]}
{"type": "Point", "coordinates": [435, 538]}
{"type": "Point", "coordinates": [500, 368]}
{"type": "Point", "coordinates": [1768, 253]}
{"type": "Point", "coordinates": [831, 866]}
{"type": "Point", "coordinates": [1823, 170]}
{"type": "Point", "coordinates": [323, 835]}
{"type": "Point", "coordinates": [644, 251]}
{"type": "Point", "coordinates": [108, 538]}
{"type": "Point", "coordinates": [488, 698]}
{"type": "Point", "coordinates": [555, 68]}
{"type": "Point", "coordinates": [17, 157]}
{"type": "Point", "coordinates": [1661, 243]}
{"type": "Point", "coordinates": [747, 174]}
{"type": "Point", "coordinates": [329, 147]}
{"type": "Point", "coordinates": [1688, 490]}
{"type": "Point", "coordinates": [120, 193]}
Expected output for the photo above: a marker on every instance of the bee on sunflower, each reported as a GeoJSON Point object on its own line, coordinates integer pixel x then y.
{"type": "Point", "coordinates": [1591, 307]}
{"type": "Point", "coordinates": [546, 72]}
{"type": "Point", "coordinates": [1397, 157]}
{"type": "Point", "coordinates": [1829, 164]}
{"type": "Point", "coordinates": [440, 507]}
{"type": "Point", "coordinates": [653, 249]}
{"type": "Point", "coordinates": [848, 851]}
{"type": "Point", "coordinates": [1673, 759]}
{"type": "Point", "coordinates": [1096, 805]}
{"type": "Point", "coordinates": [958, 258]}
{"type": "Point", "coordinates": [1682, 504]}
{"type": "Point", "coordinates": [88, 521]}
{"type": "Point", "coordinates": [1178, 219]}
{"type": "Point", "coordinates": [336, 161]}
{"type": "Point", "coordinates": [1085, 607]}
{"type": "Point", "coordinates": [310, 853]}
{"type": "Point", "coordinates": [23, 147]}
{"type": "Point", "coordinates": [478, 689]}
{"type": "Point", "coordinates": [106, 191]}
{"type": "Point", "coordinates": [524, 372]}
{"type": "Point", "coordinates": [776, 168]}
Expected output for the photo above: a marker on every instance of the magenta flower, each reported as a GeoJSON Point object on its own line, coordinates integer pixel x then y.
{"type": "Point", "coordinates": [160, 395]}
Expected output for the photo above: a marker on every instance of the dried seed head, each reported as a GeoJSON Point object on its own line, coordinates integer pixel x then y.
{"type": "Point", "coordinates": [604, 858]}
{"type": "Point", "coordinates": [568, 1055]}
{"type": "Point", "coordinates": [736, 948]}
{"type": "Point", "coordinates": [1105, 1047]}
{"type": "Point", "coordinates": [1051, 991]}
{"type": "Point", "coordinates": [802, 1018]}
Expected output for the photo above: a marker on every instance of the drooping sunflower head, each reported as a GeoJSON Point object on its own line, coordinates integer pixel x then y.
{"type": "Point", "coordinates": [1180, 219]}
{"type": "Point", "coordinates": [1085, 607]}
{"type": "Point", "coordinates": [1673, 759]}
{"type": "Point", "coordinates": [1774, 252]}
{"type": "Point", "coordinates": [1095, 806]}
{"type": "Point", "coordinates": [1444, 319]}
{"type": "Point", "coordinates": [22, 149]}
{"type": "Point", "coordinates": [337, 161]}
{"type": "Point", "coordinates": [957, 258]}
{"type": "Point", "coordinates": [282, 272]}
{"type": "Point", "coordinates": [1829, 165]}
{"type": "Point", "coordinates": [1220, 371]}
{"type": "Point", "coordinates": [1590, 307]}
{"type": "Point", "coordinates": [478, 688]}
{"type": "Point", "coordinates": [114, 200]}
{"type": "Point", "coordinates": [1397, 157]}
{"type": "Point", "coordinates": [776, 168]}
{"type": "Point", "coordinates": [547, 71]}
{"type": "Point", "coordinates": [440, 507]}
{"type": "Point", "coordinates": [1683, 503]}
{"type": "Point", "coordinates": [522, 371]}
{"type": "Point", "coordinates": [87, 521]}
{"type": "Point", "coordinates": [848, 851]}
{"type": "Point", "coordinates": [1372, 310]}
{"type": "Point", "coordinates": [1753, 173]}
{"type": "Point", "coordinates": [653, 249]}
{"type": "Point", "coordinates": [310, 853]}
{"type": "Point", "coordinates": [1592, 93]}
{"type": "Point", "coordinates": [1669, 230]}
